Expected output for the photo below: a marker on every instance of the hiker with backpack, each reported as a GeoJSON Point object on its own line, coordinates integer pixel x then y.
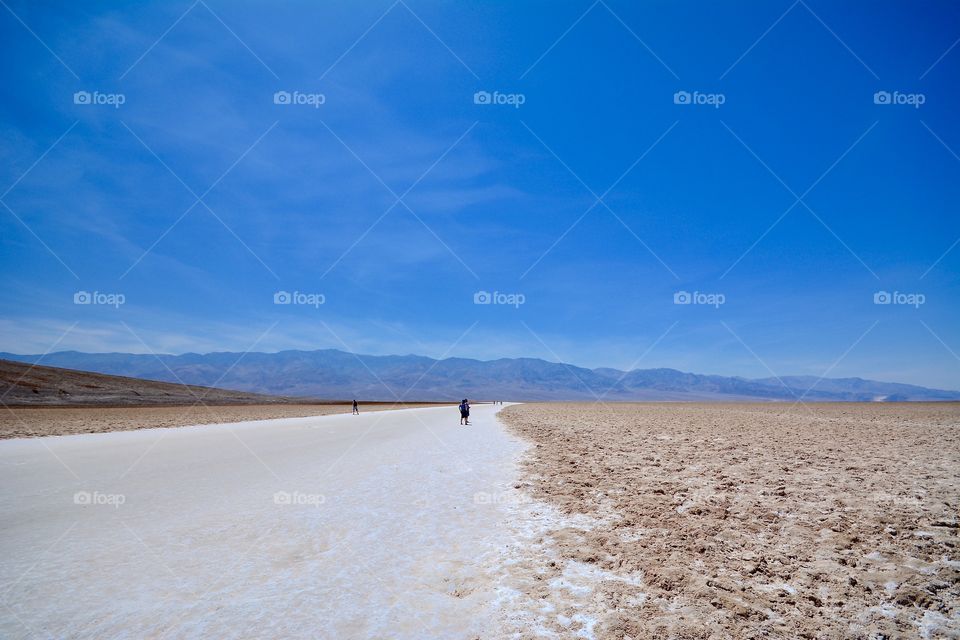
{"type": "Point", "coordinates": [464, 412]}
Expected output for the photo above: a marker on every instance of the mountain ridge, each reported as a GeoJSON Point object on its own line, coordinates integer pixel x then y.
{"type": "Point", "coordinates": [336, 374]}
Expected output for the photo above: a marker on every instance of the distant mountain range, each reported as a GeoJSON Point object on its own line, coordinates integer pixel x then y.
{"type": "Point", "coordinates": [333, 374]}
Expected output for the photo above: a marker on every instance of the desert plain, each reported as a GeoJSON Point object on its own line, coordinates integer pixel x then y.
{"type": "Point", "coordinates": [583, 520]}
{"type": "Point", "coordinates": [749, 520]}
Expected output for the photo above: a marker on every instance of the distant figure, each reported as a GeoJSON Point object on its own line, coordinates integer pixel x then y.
{"type": "Point", "coordinates": [464, 412]}
{"type": "Point", "coordinates": [356, 411]}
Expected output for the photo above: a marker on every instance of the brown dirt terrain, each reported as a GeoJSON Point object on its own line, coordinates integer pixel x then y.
{"type": "Point", "coordinates": [28, 422]}
{"type": "Point", "coordinates": [753, 520]}
{"type": "Point", "coordinates": [38, 385]}
{"type": "Point", "coordinates": [49, 401]}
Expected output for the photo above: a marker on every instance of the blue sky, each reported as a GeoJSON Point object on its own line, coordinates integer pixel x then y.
{"type": "Point", "coordinates": [597, 199]}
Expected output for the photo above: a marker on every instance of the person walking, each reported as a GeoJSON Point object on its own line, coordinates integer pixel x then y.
{"type": "Point", "coordinates": [356, 410]}
{"type": "Point", "coordinates": [464, 412]}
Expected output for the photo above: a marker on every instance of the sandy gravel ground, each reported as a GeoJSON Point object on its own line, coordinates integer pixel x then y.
{"type": "Point", "coordinates": [28, 422]}
{"type": "Point", "coordinates": [742, 521]}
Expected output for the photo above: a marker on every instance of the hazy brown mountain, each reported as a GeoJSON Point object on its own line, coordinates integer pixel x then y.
{"type": "Point", "coordinates": [23, 384]}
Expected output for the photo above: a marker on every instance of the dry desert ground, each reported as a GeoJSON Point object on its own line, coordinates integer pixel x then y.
{"type": "Point", "coordinates": [749, 520]}
{"type": "Point", "coordinates": [27, 422]}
